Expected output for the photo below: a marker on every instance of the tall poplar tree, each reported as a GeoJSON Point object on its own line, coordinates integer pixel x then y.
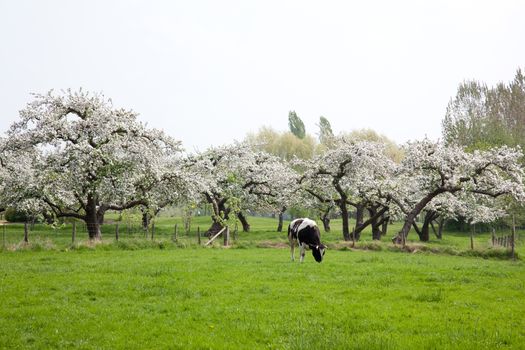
{"type": "Point", "coordinates": [296, 125]}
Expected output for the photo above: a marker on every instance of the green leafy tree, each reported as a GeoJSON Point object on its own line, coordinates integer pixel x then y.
{"type": "Point", "coordinates": [481, 117]}
{"type": "Point", "coordinates": [13, 215]}
{"type": "Point", "coordinates": [296, 125]}
{"type": "Point", "coordinates": [326, 135]}
{"type": "Point", "coordinates": [284, 145]}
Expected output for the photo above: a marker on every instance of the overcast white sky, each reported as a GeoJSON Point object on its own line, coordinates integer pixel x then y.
{"type": "Point", "coordinates": [208, 72]}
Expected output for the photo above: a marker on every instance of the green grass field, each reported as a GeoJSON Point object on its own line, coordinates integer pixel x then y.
{"type": "Point", "coordinates": [142, 295]}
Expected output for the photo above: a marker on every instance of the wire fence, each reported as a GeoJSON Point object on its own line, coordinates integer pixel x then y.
{"type": "Point", "coordinates": [13, 235]}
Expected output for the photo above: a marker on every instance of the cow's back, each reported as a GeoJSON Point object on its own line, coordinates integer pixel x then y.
{"type": "Point", "coordinates": [293, 228]}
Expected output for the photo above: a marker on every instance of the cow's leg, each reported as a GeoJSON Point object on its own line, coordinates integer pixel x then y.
{"type": "Point", "coordinates": [303, 251]}
{"type": "Point", "coordinates": [292, 247]}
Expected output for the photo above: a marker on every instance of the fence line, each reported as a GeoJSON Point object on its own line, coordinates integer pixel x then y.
{"type": "Point", "coordinates": [506, 241]}
{"type": "Point", "coordinates": [75, 232]}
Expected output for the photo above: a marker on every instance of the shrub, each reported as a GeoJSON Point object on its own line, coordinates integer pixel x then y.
{"type": "Point", "coordinates": [13, 215]}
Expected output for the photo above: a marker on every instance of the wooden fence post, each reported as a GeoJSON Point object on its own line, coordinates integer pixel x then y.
{"type": "Point", "coordinates": [227, 236]}
{"type": "Point", "coordinates": [73, 232]}
{"type": "Point", "coordinates": [513, 236]}
{"type": "Point", "coordinates": [199, 235]}
{"type": "Point", "coordinates": [493, 236]}
{"type": "Point", "coordinates": [215, 236]}
{"type": "Point", "coordinates": [176, 232]}
{"type": "Point", "coordinates": [472, 237]}
{"type": "Point", "coordinates": [116, 232]}
{"type": "Point", "coordinates": [152, 230]}
{"type": "Point", "coordinates": [26, 239]}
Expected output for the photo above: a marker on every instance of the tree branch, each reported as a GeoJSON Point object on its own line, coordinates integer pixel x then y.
{"type": "Point", "coordinates": [128, 205]}
{"type": "Point", "coordinates": [60, 213]}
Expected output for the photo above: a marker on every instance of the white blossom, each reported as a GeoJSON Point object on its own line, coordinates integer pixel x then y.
{"type": "Point", "coordinates": [85, 157]}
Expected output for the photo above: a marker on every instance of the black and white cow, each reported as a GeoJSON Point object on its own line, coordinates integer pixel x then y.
{"type": "Point", "coordinates": [306, 234]}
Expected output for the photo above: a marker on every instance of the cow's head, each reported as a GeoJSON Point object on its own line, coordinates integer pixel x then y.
{"type": "Point", "coordinates": [318, 252]}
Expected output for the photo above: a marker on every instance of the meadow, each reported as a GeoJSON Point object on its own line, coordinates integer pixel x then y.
{"type": "Point", "coordinates": [138, 293]}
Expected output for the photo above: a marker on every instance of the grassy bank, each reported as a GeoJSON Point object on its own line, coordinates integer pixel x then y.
{"type": "Point", "coordinates": [256, 298]}
{"type": "Point", "coordinates": [262, 234]}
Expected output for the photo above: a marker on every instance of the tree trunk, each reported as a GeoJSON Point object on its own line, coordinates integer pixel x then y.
{"type": "Point", "coordinates": [281, 214]}
{"type": "Point", "coordinates": [48, 217]}
{"type": "Point", "coordinates": [359, 219]}
{"type": "Point", "coordinates": [472, 229]}
{"type": "Point", "coordinates": [402, 235]}
{"type": "Point", "coordinates": [376, 231]}
{"type": "Point", "coordinates": [513, 237]}
{"type": "Point", "coordinates": [244, 222]}
{"type": "Point", "coordinates": [280, 224]}
{"type": "Point", "coordinates": [384, 225]}
{"type": "Point", "coordinates": [26, 239]}
{"type": "Point", "coordinates": [146, 217]}
{"type": "Point", "coordinates": [344, 216]}
{"type": "Point", "coordinates": [433, 228]}
{"type": "Point", "coordinates": [364, 224]}
{"type": "Point", "coordinates": [440, 228]}
{"type": "Point", "coordinates": [325, 219]}
{"type": "Point", "coordinates": [214, 228]}
{"type": "Point", "coordinates": [219, 214]}
{"type": "Point", "coordinates": [424, 235]}
{"type": "Point", "coordinates": [326, 223]}
{"type": "Point", "coordinates": [411, 216]}
{"type": "Point", "coordinates": [93, 228]}
{"type": "Point", "coordinates": [94, 218]}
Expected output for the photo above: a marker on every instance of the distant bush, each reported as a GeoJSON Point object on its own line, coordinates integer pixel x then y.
{"type": "Point", "coordinates": [460, 225]}
{"type": "Point", "coordinates": [13, 215]}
